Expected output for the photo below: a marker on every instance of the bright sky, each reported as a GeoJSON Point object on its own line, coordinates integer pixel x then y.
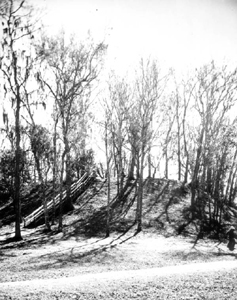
{"type": "Point", "coordinates": [179, 33]}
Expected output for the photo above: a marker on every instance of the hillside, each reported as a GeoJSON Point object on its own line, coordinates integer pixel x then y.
{"type": "Point", "coordinates": [79, 251]}
{"type": "Point", "coordinates": [166, 208]}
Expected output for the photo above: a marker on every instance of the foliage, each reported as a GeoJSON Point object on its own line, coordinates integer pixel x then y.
{"type": "Point", "coordinates": [40, 142]}
{"type": "Point", "coordinates": [83, 162]}
{"type": "Point", "coordinates": [7, 169]}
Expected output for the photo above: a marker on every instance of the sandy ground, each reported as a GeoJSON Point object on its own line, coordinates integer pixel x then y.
{"type": "Point", "coordinates": [147, 266]}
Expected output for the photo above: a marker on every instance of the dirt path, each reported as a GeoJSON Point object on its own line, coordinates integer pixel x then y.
{"type": "Point", "coordinates": [109, 280]}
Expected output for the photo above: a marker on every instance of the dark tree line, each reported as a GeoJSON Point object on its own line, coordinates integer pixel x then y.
{"type": "Point", "coordinates": [151, 124]}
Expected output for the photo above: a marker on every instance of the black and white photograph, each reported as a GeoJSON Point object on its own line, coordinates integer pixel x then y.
{"type": "Point", "coordinates": [118, 149]}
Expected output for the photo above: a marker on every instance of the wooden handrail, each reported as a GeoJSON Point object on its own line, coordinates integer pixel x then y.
{"type": "Point", "coordinates": [75, 188]}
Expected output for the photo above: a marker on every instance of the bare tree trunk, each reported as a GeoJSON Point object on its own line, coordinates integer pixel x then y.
{"type": "Point", "coordinates": [140, 194]}
{"type": "Point", "coordinates": [68, 182]}
{"type": "Point", "coordinates": [108, 158]}
{"type": "Point", "coordinates": [196, 170]}
{"type": "Point", "coordinates": [167, 140]}
{"type": "Point", "coordinates": [46, 214]}
{"type": "Point", "coordinates": [132, 165]}
{"type": "Point", "coordinates": [231, 174]}
{"type": "Point", "coordinates": [231, 193]}
{"type": "Point", "coordinates": [179, 139]}
{"type": "Point", "coordinates": [186, 170]}
{"type": "Point", "coordinates": [149, 162]}
{"type": "Point", "coordinates": [54, 167]}
{"type": "Point", "coordinates": [185, 142]}
{"type": "Point", "coordinates": [120, 166]}
{"type": "Point", "coordinates": [179, 159]}
{"type": "Point", "coordinates": [233, 190]}
{"type": "Point", "coordinates": [17, 200]}
{"type": "Point", "coordinates": [42, 186]}
{"type": "Point", "coordinates": [60, 217]}
{"type": "Point", "coordinates": [218, 179]}
{"type": "Point", "coordinates": [108, 202]}
{"type": "Point", "coordinates": [166, 164]}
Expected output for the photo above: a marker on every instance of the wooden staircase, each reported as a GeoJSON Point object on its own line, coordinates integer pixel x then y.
{"type": "Point", "coordinates": [77, 188]}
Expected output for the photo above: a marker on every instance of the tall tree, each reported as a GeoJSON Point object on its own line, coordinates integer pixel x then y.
{"type": "Point", "coordinates": [149, 86]}
{"type": "Point", "coordinates": [73, 68]}
{"type": "Point", "coordinates": [182, 95]}
{"type": "Point", "coordinates": [118, 104]}
{"type": "Point", "coordinates": [108, 154]}
{"type": "Point", "coordinates": [16, 69]}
